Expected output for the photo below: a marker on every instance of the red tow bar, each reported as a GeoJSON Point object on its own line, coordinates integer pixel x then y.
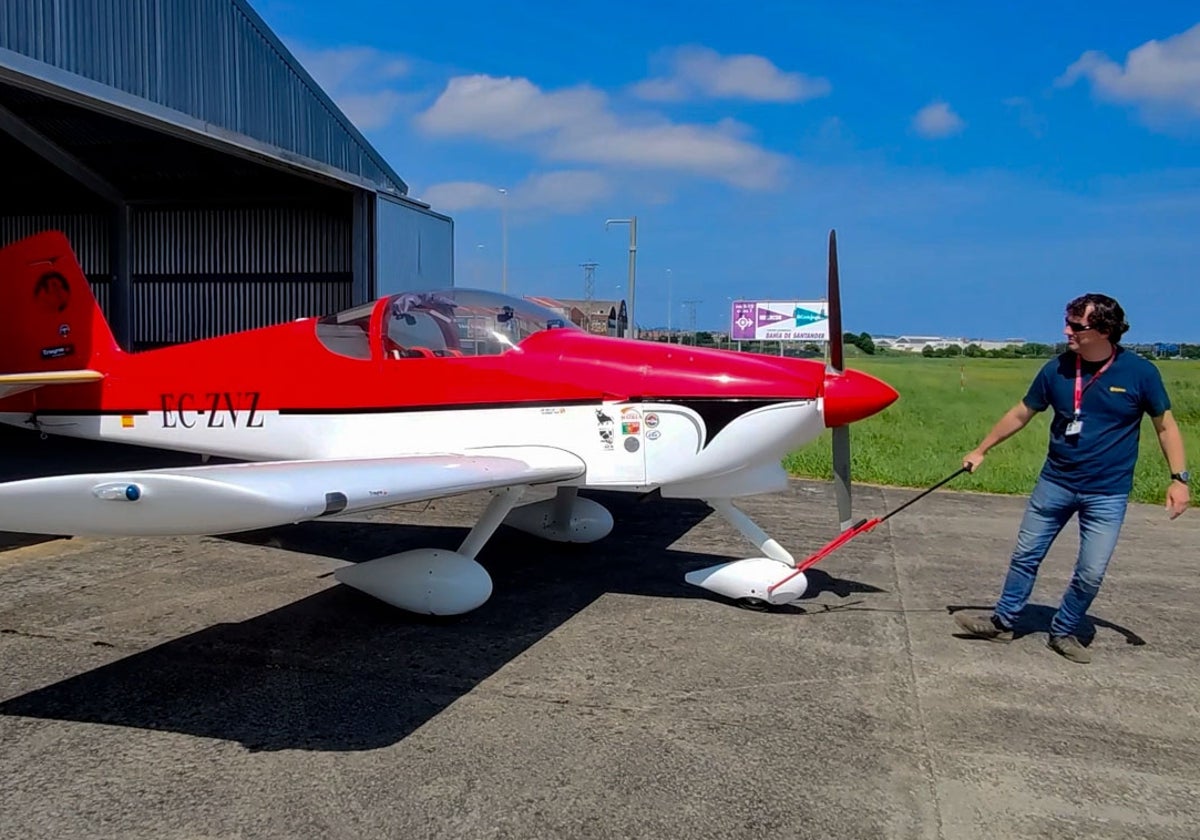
{"type": "Point", "coordinates": [850, 533]}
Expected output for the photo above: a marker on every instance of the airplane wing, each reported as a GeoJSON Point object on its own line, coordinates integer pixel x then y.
{"type": "Point", "coordinates": [228, 498]}
{"type": "Point", "coordinates": [15, 383]}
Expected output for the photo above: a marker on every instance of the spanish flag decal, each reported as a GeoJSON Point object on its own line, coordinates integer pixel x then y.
{"type": "Point", "coordinates": [126, 421]}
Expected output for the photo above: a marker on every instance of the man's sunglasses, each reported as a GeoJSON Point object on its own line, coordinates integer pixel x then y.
{"type": "Point", "coordinates": [1078, 327]}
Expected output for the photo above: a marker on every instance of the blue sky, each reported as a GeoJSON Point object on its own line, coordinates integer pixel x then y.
{"type": "Point", "coordinates": [981, 164]}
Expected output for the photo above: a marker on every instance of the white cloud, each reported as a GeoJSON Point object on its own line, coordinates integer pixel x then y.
{"type": "Point", "coordinates": [565, 190]}
{"type": "Point", "coordinates": [699, 72]}
{"type": "Point", "coordinates": [372, 110]}
{"type": "Point", "coordinates": [937, 119]}
{"type": "Point", "coordinates": [562, 190]}
{"type": "Point", "coordinates": [350, 67]}
{"type": "Point", "coordinates": [579, 125]}
{"type": "Point", "coordinates": [451, 196]}
{"type": "Point", "coordinates": [356, 79]}
{"type": "Point", "coordinates": [712, 151]}
{"type": "Point", "coordinates": [1162, 77]}
{"type": "Point", "coordinates": [507, 108]}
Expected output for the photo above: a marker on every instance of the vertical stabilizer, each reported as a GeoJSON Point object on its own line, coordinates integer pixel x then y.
{"type": "Point", "coordinates": [49, 319]}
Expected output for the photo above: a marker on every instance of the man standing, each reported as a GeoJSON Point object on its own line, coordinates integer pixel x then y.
{"type": "Point", "coordinates": [1099, 392]}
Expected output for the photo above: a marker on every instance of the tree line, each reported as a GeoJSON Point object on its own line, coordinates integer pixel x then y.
{"type": "Point", "coordinates": [1027, 350]}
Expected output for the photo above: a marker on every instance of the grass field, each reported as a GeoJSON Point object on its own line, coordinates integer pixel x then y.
{"type": "Point", "coordinates": [921, 438]}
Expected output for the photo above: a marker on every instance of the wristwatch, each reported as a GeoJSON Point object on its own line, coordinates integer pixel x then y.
{"type": "Point", "coordinates": [1181, 476]}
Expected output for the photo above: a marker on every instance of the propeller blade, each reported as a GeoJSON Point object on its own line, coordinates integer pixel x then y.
{"type": "Point", "coordinates": [841, 474]}
{"type": "Point", "coordinates": [836, 353]}
{"type": "Point", "coordinates": [837, 364]}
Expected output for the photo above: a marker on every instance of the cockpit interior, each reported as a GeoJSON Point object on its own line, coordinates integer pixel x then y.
{"type": "Point", "coordinates": [436, 324]}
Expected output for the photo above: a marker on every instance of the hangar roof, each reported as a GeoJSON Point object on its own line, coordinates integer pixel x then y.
{"type": "Point", "coordinates": [207, 71]}
{"type": "Point", "coordinates": [58, 155]}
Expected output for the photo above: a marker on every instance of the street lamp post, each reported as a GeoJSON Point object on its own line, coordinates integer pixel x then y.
{"type": "Point", "coordinates": [632, 222]}
{"type": "Point", "coordinates": [503, 240]}
{"type": "Point", "coordinates": [668, 306]}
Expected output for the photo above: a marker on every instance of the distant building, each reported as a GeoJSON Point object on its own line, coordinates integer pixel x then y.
{"type": "Point", "coordinates": [599, 317]}
{"type": "Point", "coordinates": [917, 343]}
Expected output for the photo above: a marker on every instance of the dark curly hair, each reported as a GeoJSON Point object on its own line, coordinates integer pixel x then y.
{"type": "Point", "coordinates": [1107, 315]}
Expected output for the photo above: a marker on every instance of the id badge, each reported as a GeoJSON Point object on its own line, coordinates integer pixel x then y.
{"type": "Point", "coordinates": [1074, 428]}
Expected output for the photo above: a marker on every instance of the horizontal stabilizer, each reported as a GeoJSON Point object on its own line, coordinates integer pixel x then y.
{"type": "Point", "coordinates": [228, 498]}
{"type": "Point", "coordinates": [15, 383]}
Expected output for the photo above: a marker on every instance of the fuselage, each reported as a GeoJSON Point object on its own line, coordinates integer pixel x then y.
{"type": "Point", "coordinates": [640, 414]}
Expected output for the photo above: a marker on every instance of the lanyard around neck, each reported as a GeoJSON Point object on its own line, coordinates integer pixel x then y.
{"type": "Point", "coordinates": [1080, 388]}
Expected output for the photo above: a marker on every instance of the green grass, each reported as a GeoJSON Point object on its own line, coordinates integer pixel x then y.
{"type": "Point", "coordinates": [921, 438]}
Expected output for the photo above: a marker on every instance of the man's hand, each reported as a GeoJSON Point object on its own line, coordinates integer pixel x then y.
{"type": "Point", "coordinates": [1177, 498]}
{"type": "Point", "coordinates": [972, 460]}
{"type": "Point", "coordinates": [1012, 422]}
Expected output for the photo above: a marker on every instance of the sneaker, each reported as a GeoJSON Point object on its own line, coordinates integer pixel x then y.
{"type": "Point", "coordinates": [1070, 648]}
{"type": "Point", "coordinates": [984, 627]}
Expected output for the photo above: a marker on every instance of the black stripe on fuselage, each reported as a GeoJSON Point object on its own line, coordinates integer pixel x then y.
{"type": "Point", "coordinates": [718, 412]}
{"type": "Point", "coordinates": [90, 412]}
{"type": "Point", "coordinates": [409, 409]}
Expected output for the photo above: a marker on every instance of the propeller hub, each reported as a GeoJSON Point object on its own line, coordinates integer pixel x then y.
{"type": "Point", "coordinates": [853, 395]}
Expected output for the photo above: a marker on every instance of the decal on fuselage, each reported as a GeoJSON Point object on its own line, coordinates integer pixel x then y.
{"type": "Point", "coordinates": [58, 351]}
{"type": "Point", "coordinates": [223, 409]}
{"type": "Point", "coordinates": [631, 424]}
{"type": "Point", "coordinates": [605, 428]}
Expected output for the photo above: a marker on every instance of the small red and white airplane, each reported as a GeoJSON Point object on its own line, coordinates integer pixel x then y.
{"type": "Point", "coordinates": [415, 396]}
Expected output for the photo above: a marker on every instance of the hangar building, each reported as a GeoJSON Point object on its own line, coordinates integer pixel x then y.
{"type": "Point", "coordinates": [206, 181]}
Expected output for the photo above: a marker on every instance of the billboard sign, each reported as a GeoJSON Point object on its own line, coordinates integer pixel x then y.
{"type": "Point", "coordinates": [773, 320]}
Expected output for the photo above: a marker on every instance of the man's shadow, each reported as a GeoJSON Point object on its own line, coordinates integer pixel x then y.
{"type": "Point", "coordinates": [1036, 618]}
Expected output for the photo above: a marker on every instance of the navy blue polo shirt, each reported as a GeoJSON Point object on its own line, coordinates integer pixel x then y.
{"type": "Point", "coordinates": [1101, 458]}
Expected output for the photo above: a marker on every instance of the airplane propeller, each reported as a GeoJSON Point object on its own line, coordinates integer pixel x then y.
{"type": "Point", "coordinates": [837, 364]}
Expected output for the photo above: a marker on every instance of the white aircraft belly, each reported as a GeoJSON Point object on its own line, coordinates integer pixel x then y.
{"type": "Point", "coordinates": [269, 435]}
{"type": "Point", "coordinates": [624, 445]}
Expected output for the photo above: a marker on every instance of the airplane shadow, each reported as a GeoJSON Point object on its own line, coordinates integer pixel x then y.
{"type": "Point", "coordinates": [341, 671]}
{"type": "Point", "coordinates": [24, 453]}
{"type": "Point", "coordinates": [10, 539]}
{"type": "Point", "coordinates": [1036, 618]}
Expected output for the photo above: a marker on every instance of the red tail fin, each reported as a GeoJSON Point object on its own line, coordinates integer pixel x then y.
{"type": "Point", "coordinates": [49, 318]}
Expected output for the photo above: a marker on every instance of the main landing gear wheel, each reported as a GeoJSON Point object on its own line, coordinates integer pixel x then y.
{"type": "Point", "coordinates": [755, 604]}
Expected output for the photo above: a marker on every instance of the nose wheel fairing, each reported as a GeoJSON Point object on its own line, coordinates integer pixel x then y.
{"type": "Point", "coordinates": [772, 579]}
{"type": "Point", "coordinates": [753, 581]}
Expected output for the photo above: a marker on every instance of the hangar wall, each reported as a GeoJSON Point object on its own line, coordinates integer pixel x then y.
{"type": "Point", "coordinates": [205, 180]}
{"type": "Point", "coordinates": [197, 273]}
{"type": "Point", "coordinates": [414, 249]}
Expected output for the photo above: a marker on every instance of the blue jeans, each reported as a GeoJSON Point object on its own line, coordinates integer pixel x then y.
{"type": "Point", "coordinates": [1050, 508]}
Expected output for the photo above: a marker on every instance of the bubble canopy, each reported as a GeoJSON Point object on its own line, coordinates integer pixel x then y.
{"type": "Point", "coordinates": [445, 322]}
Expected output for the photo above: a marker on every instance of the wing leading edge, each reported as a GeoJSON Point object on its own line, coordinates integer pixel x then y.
{"type": "Point", "coordinates": [16, 383]}
{"type": "Point", "coordinates": [228, 498]}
